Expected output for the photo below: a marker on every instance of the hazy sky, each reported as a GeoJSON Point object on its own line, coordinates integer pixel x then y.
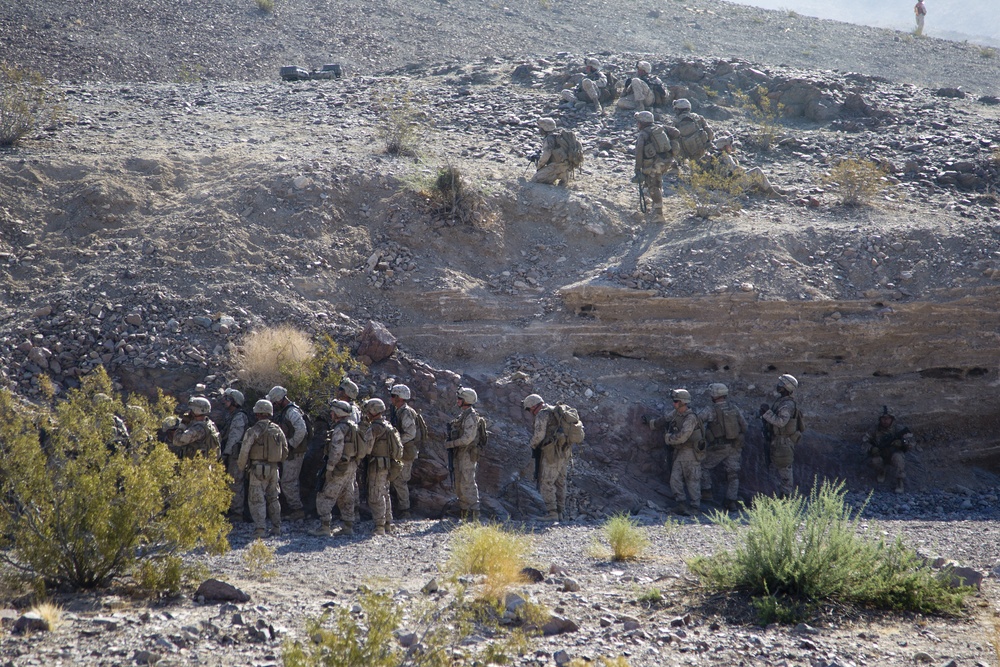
{"type": "Point", "coordinates": [975, 20]}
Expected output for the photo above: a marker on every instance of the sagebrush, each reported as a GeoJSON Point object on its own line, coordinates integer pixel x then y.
{"type": "Point", "coordinates": [493, 551]}
{"type": "Point", "coordinates": [258, 559]}
{"type": "Point", "coordinates": [26, 103]}
{"type": "Point", "coordinates": [812, 549]}
{"type": "Point", "coordinates": [83, 505]}
{"type": "Point", "coordinates": [710, 190]}
{"type": "Point", "coordinates": [626, 538]}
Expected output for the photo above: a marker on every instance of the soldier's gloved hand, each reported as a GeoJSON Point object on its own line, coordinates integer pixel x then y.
{"type": "Point", "coordinates": [170, 423]}
{"type": "Point", "coordinates": [764, 409]}
{"type": "Point", "coordinates": [768, 415]}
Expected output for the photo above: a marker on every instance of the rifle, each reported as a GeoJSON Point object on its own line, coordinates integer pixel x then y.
{"type": "Point", "coordinates": [768, 433]}
{"type": "Point", "coordinates": [536, 454]}
{"type": "Point", "coordinates": [642, 193]}
{"type": "Point", "coordinates": [533, 160]}
{"type": "Point", "coordinates": [451, 454]}
{"type": "Point", "coordinates": [885, 442]}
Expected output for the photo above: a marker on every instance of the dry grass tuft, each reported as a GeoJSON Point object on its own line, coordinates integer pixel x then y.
{"type": "Point", "coordinates": [267, 353]}
{"type": "Point", "coordinates": [50, 613]}
{"type": "Point", "coordinates": [492, 551]}
{"type": "Point", "coordinates": [258, 559]}
{"type": "Point", "coordinates": [628, 541]}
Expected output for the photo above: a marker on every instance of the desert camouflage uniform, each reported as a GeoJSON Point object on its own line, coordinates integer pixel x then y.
{"type": "Point", "coordinates": [553, 164]}
{"type": "Point", "coordinates": [721, 450]}
{"type": "Point", "coordinates": [638, 95]}
{"type": "Point", "coordinates": [341, 475]}
{"type": "Point", "coordinates": [379, 441]}
{"type": "Point", "coordinates": [592, 89]}
{"type": "Point", "coordinates": [199, 437]}
{"type": "Point", "coordinates": [264, 484]}
{"type": "Point", "coordinates": [556, 454]}
{"type": "Point", "coordinates": [784, 437]}
{"type": "Point", "coordinates": [700, 123]}
{"type": "Point", "coordinates": [652, 166]}
{"type": "Point", "coordinates": [232, 436]}
{"type": "Point", "coordinates": [466, 446]}
{"type": "Point", "coordinates": [294, 426]}
{"type": "Point", "coordinates": [682, 433]}
{"type": "Point", "coordinates": [405, 421]}
{"type": "Point", "coordinates": [754, 176]}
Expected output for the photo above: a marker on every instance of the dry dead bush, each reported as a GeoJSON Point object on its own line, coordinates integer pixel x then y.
{"type": "Point", "coordinates": [456, 201]}
{"type": "Point", "coordinates": [26, 102]}
{"type": "Point", "coordinates": [267, 353]}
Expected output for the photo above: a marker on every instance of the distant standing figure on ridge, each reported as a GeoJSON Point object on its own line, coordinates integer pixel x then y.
{"type": "Point", "coordinates": [920, 11]}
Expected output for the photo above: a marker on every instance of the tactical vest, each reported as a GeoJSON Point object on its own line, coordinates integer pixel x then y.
{"type": "Point", "coordinates": [791, 427]}
{"type": "Point", "coordinates": [726, 425]}
{"type": "Point", "coordinates": [693, 137]}
{"type": "Point", "coordinates": [697, 435]}
{"type": "Point", "coordinates": [386, 443]}
{"type": "Point", "coordinates": [267, 447]}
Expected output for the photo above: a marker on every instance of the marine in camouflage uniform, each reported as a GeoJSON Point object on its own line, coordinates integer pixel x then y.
{"type": "Point", "coordinates": [555, 453]}
{"type": "Point", "coordinates": [347, 391]}
{"type": "Point", "coordinates": [553, 163]}
{"type": "Point", "coordinates": [200, 436]}
{"type": "Point", "coordinates": [725, 430]}
{"type": "Point", "coordinates": [383, 447]}
{"type": "Point", "coordinates": [404, 418]}
{"type": "Point", "coordinates": [639, 94]}
{"type": "Point", "coordinates": [887, 446]}
{"type": "Point", "coordinates": [341, 472]}
{"type": "Point", "coordinates": [690, 126]}
{"type": "Point", "coordinates": [463, 437]}
{"type": "Point", "coordinates": [651, 164]}
{"type": "Point", "coordinates": [783, 424]}
{"type": "Point", "coordinates": [231, 436]}
{"type": "Point", "coordinates": [263, 449]}
{"type": "Point", "coordinates": [293, 423]}
{"type": "Point", "coordinates": [684, 434]}
{"type": "Point", "coordinates": [593, 87]}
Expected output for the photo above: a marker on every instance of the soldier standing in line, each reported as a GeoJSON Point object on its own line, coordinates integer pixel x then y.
{"type": "Point", "coordinates": [404, 418]}
{"type": "Point", "coordinates": [685, 433]}
{"type": "Point", "coordinates": [342, 450]}
{"type": "Point", "coordinates": [463, 437]}
{"type": "Point", "coordinates": [554, 453]}
{"type": "Point", "coordinates": [264, 448]}
{"type": "Point", "coordinates": [347, 391]}
{"type": "Point", "coordinates": [887, 447]}
{"type": "Point", "coordinates": [725, 430]}
{"type": "Point", "coordinates": [653, 157]}
{"type": "Point", "coordinates": [232, 433]}
{"type": "Point", "coordinates": [293, 423]}
{"type": "Point", "coordinates": [382, 445]}
{"type": "Point", "coordinates": [200, 436]}
{"type": "Point", "coordinates": [784, 424]}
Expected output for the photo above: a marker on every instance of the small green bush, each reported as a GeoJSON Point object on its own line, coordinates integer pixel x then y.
{"type": "Point", "coordinates": [811, 550]}
{"type": "Point", "coordinates": [26, 102]}
{"type": "Point", "coordinates": [710, 191]}
{"type": "Point", "coordinates": [401, 124]}
{"type": "Point", "coordinates": [258, 559]}
{"type": "Point", "coordinates": [266, 6]}
{"type": "Point", "coordinates": [628, 541]}
{"type": "Point", "coordinates": [763, 114]}
{"type": "Point", "coordinates": [653, 596]}
{"type": "Point", "coordinates": [856, 181]}
{"type": "Point", "coordinates": [498, 554]}
{"type": "Point", "coordinates": [83, 507]}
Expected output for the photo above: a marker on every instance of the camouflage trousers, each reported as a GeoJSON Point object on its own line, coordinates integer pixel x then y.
{"type": "Point", "coordinates": [652, 181]}
{"type": "Point", "coordinates": [552, 172]}
{"type": "Point", "coordinates": [338, 490]}
{"type": "Point", "coordinates": [378, 491]}
{"type": "Point", "coordinates": [263, 496]}
{"type": "Point", "coordinates": [291, 469]}
{"type": "Point", "coordinates": [729, 456]}
{"type": "Point", "coordinates": [896, 464]}
{"type": "Point", "coordinates": [400, 483]}
{"type": "Point", "coordinates": [466, 462]}
{"type": "Point", "coordinates": [233, 468]}
{"type": "Point", "coordinates": [552, 483]}
{"type": "Point", "coordinates": [786, 480]}
{"type": "Point", "coordinates": [685, 475]}
{"type": "Point", "coordinates": [590, 93]}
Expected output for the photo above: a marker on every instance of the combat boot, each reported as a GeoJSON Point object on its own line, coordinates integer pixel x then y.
{"type": "Point", "coordinates": [706, 494]}
{"type": "Point", "coordinates": [899, 486]}
{"type": "Point", "coordinates": [733, 506]}
{"type": "Point", "coordinates": [296, 515]}
{"type": "Point", "coordinates": [390, 529]}
{"type": "Point", "coordinates": [259, 532]}
{"type": "Point", "coordinates": [682, 509]}
{"type": "Point", "coordinates": [276, 529]}
{"type": "Point", "coordinates": [324, 530]}
{"type": "Point", "coordinates": [551, 516]}
{"type": "Point", "coordinates": [475, 516]}
{"type": "Point", "coordinates": [881, 477]}
{"type": "Point", "coordinates": [404, 514]}
{"type": "Point", "coordinates": [380, 529]}
{"type": "Point", "coordinates": [346, 529]}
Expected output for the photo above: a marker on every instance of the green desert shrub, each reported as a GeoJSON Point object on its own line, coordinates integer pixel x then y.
{"type": "Point", "coordinates": [763, 114]}
{"type": "Point", "coordinates": [626, 538]}
{"type": "Point", "coordinates": [401, 124]}
{"type": "Point", "coordinates": [856, 181]}
{"type": "Point", "coordinates": [26, 102]}
{"type": "Point", "coordinates": [811, 549]}
{"type": "Point", "coordinates": [709, 190]}
{"type": "Point", "coordinates": [82, 507]}
{"type": "Point", "coordinates": [492, 551]}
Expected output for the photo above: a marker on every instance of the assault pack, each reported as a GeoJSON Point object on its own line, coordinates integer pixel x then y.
{"type": "Point", "coordinates": [569, 423]}
{"type": "Point", "coordinates": [353, 444]}
{"type": "Point", "coordinates": [566, 141]}
{"type": "Point", "coordinates": [268, 447]}
{"type": "Point", "coordinates": [286, 426]}
{"type": "Point", "coordinates": [726, 425]}
{"type": "Point", "coordinates": [693, 137]}
{"type": "Point", "coordinates": [482, 433]}
{"type": "Point", "coordinates": [658, 137]}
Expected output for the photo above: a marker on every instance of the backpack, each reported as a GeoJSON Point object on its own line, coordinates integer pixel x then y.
{"type": "Point", "coordinates": [800, 421]}
{"type": "Point", "coordinates": [286, 426]}
{"type": "Point", "coordinates": [571, 146]}
{"type": "Point", "coordinates": [693, 139]}
{"type": "Point", "coordinates": [660, 95]}
{"type": "Point", "coordinates": [422, 430]}
{"type": "Point", "coordinates": [352, 441]}
{"type": "Point", "coordinates": [483, 435]}
{"type": "Point", "coordinates": [570, 424]}
{"type": "Point", "coordinates": [611, 92]}
{"type": "Point", "coordinates": [660, 140]}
